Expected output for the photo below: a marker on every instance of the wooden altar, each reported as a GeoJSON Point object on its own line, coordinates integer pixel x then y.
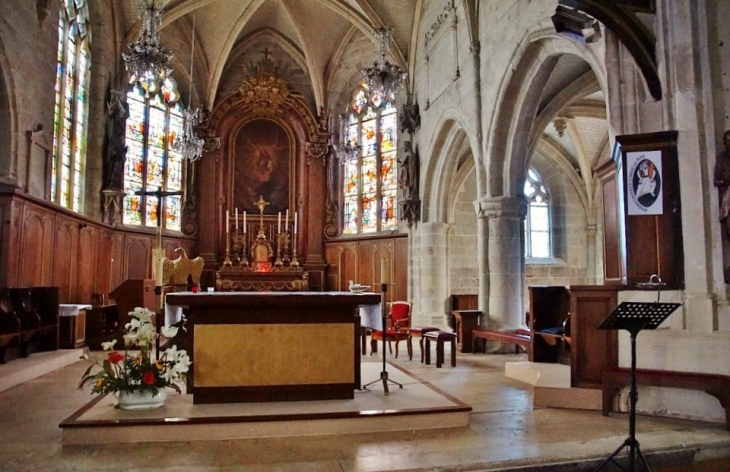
{"type": "Point", "coordinates": [259, 347]}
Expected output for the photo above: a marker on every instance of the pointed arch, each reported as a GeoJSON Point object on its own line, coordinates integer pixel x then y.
{"type": "Point", "coordinates": [509, 144]}
{"type": "Point", "coordinates": [8, 121]}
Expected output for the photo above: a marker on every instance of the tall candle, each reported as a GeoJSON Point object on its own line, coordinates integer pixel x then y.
{"type": "Point", "coordinates": [228, 222]}
{"type": "Point", "coordinates": [383, 271]}
{"type": "Point", "coordinates": [295, 222]}
{"type": "Point", "coordinates": [244, 221]}
{"type": "Point", "coordinates": [286, 224]}
{"type": "Point", "coordinates": [236, 218]}
{"type": "Point", "coordinates": [158, 271]}
{"type": "Point", "coordinates": [278, 230]}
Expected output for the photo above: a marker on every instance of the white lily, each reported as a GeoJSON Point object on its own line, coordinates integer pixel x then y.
{"type": "Point", "coordinates": [109, 345]}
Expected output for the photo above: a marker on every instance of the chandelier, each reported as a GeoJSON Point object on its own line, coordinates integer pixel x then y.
{"type": "Point", "coordinates": [383, 77]}
{"type": "Point", "coordinates": [147, 62]}
{"type": "Point", "coordinates": [188, 145]}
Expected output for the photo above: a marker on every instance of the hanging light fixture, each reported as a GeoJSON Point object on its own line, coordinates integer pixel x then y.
{"type": "Point", "coordinates": [346, 148]}
{"type": "Point", "coordinates": [147, 62]}
{"type": "Point", "coordinates": [187, 144]}
{"type": "Point", "coordinates": [384, 78]}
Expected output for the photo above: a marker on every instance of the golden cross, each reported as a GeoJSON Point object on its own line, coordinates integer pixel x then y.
{"type": "Point", "coordinates": [261, 204]}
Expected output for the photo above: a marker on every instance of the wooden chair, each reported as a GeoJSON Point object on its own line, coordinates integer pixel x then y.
{"type": "Point", "coordinates": [397, 327]}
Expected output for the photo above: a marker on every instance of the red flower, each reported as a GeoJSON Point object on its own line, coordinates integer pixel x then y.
{"type": "Point", "coordinates": [115, 357]}
{"type": "Point", "coordinates": [148, 378]}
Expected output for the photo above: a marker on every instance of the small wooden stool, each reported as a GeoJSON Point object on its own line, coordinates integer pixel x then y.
{"type": "Point", "coordinates": [440, 337]}
{"type": "Point", "coordinates": [418, 332]}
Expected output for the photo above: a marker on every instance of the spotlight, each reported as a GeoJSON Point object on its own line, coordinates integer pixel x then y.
{"type": "Point", "coordinates": [576, 25]}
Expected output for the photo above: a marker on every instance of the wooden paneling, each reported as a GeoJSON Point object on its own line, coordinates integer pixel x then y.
{"type": "Point", "coordinates": [612, 257]}
{"type": "Point", "coordinates": [359, 260]}
{"type": "Point", "coordinates": [42, 244]}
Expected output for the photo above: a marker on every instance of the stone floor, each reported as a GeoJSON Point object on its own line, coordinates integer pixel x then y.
{"type": "Point", "coordinates": [506, 433]}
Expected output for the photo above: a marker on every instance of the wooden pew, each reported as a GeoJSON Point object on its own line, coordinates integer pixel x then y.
{"type": "Point", "coordinates": [30, 323]}
{"type": "Point", "coordinates": [9, 329]}
{"type": "Point", "coordinates": [716, 385]}
{"type": "Point", "coordinates": [520, 338]}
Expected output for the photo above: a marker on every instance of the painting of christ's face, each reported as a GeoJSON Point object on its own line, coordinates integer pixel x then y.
{"type": "Point", "coordinates": [262, 165]}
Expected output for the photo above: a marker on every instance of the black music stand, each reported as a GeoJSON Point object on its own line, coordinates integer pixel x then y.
{"type": "Point", "coordinates": [384, 317]}
{"type": "Point", "coordinates": [634, 317]}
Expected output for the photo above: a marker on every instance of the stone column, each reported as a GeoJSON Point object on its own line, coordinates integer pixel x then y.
{"type": "Point", "coordinates": [483, 263]}
{"type": "Point", "coordinates": [591, 275]}
{"type": "Point", "coordinates": [505, 256]}
{"type": "Point", "coordinates": [430, 257]}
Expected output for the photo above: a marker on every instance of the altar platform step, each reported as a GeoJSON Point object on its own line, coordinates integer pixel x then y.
{"type": "Point", "coordinates": [551, 386]}
{"type": "Point", "coordinates": [417, 406]}
{"type": "Point", "coordinates": [21, 370]}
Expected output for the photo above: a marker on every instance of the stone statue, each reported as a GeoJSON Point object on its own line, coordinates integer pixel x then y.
{"type": "Point", "coordinates": [722, 181]}
{"type": "Point", "coordinates": [116, 153]}
{"type": "Point", "coordinates": [408, 180]}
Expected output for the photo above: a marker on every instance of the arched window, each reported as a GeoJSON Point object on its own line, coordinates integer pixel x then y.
{"type": "Point", "coordinates": [370, 184]}
{"type": "Point", "coordinates": [70, 114]}
{"type": "Point", "coordinates": [538, 240]}
{"type": "Point", "coordinates": [151, 164]}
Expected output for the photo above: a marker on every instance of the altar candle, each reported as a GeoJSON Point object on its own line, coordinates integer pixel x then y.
{"type": "Point", "coordinates": [228, 222]}
{"type": "Point", "coordinates": [236, 218]}
{"type": "Point", "coordinates": [383, 271]}
{"type": "Point", "coordinates": [158, 271]}
{"type": "Point", "coordinates": [295, 222]}
{"type": "Point", "coordinates": [244, 221]}
{"type": "Point", "coordinates": [286, 224]}
{"type": "Point", "coordinates": [278, 231]}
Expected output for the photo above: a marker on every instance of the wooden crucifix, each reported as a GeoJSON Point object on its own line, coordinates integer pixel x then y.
{"type": "Point", "coordinates": [160, 194]}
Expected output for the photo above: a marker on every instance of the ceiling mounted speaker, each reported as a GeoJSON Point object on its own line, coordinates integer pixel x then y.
{"type": "Point", "coordinates": [576, 25]}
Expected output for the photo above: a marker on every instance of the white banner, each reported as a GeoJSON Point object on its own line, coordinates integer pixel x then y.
{"type": "Point", "coordinates": [644, 183]}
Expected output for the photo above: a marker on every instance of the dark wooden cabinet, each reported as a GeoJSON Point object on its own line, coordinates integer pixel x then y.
{"type": "Point", "coordinates": [102, 325]}
{"type": "Point", "coordinates": [592, 351]}
{"type": "Point", "coordinates": [652, 234]}
{"type": "Point", "coordinates": [131, 294]}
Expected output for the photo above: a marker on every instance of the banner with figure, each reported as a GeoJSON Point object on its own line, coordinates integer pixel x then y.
{"type": "Point", "coordinates": [644, 183]}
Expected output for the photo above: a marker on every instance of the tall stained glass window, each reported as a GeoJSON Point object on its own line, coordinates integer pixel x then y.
{"type": "Point", "coordinates": [537, 223]}
{"type": "Point", "coordinates": [154, 121]}
{"type": "Point", "coordinates": [70, 112]}
{"type": "Point", "coordinates": [370, 175]}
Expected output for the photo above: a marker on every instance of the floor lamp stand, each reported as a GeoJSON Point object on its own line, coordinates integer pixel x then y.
{"type": "Point", "coordinates": [384, 373]}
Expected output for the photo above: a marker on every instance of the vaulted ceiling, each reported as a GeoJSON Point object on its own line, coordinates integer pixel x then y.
{"type": "Point", "coordinates": [320, 45]}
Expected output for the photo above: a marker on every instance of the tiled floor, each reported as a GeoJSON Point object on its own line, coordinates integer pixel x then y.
{"type": "Point", "coordinates": [505, 432]}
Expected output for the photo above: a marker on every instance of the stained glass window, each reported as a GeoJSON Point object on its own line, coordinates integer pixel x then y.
{"type": "Point", "coordinates": [537, 222]}
{"type": "Point", "coordinates": [370, 175]}
{"type": "Point", "coordinates": [152, 126]}
{"type": "Point", "coordinates": [71, 109]}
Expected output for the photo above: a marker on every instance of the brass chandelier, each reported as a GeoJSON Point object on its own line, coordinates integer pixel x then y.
{"type": "Point", "coordinates": [383, 77]}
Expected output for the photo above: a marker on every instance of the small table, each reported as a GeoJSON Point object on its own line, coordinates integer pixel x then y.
{"type": "Point", "coordinates": [72, 325]}
{"type": "Point", "coordinates": [466, 322]}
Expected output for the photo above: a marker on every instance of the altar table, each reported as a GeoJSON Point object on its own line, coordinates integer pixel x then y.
{"type": "Point", "coordinates": [273, 346]}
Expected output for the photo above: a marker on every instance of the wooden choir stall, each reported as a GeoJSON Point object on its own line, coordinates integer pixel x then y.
{"type": "Point", "coordinates": [273, 346]}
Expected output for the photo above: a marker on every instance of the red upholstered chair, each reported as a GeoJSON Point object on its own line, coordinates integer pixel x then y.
{"type": "Point", "coordinates": [396, 329]}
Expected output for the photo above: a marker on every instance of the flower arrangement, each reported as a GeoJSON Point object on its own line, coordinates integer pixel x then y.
{"type": "Point", "coordinates": [136, 370]}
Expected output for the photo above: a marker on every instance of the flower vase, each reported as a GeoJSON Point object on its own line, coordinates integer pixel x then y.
{"type": "Point", "coordinates": [141, 399]}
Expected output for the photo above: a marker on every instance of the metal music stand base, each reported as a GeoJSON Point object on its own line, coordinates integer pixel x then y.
{"type": "Point", "coordinates": [634, 317]}
{"type": "Point", "coordinates": [384, 374]}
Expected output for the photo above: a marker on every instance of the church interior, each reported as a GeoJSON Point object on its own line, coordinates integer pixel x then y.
{"type": "Point", "coordinates": [533, 195]}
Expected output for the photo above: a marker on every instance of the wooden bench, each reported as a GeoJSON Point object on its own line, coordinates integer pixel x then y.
{"type": "Point", "coordinates": [520, 338]}
{"type": "Point", "coordinates": [716, 385]}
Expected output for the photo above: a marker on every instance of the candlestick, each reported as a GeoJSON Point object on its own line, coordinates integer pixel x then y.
{"type": "Point", "coordinates": [236, 218]}
{"type": "Point", "coordinates": [228, 222]}
{"type": "Point", "coordinates": [384, 271]}
{"type": "Point", "coordinates": [295, 222]}
{"type": "Point", "coordinates": [278, 231]}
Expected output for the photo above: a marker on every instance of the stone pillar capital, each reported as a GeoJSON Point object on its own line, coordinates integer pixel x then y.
{"type": "Point", "coordinates": [591, 230]}
{"type": "Point", "coordinates": [501, 207]}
